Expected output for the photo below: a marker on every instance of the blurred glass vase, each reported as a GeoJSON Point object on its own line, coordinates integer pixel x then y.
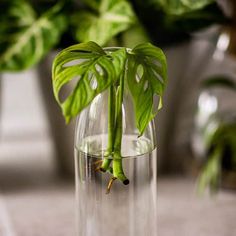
{"type": "Point", "coordinates": [214, 139]}
{"type": "Point", "coordinates": [128, 210]}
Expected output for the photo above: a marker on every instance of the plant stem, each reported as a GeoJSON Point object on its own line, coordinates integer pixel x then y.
{"type": "Point", "coordinates": [113, 152]}
{"type": "Point", "coordinates": [111, 124]}
{"type": "Point", "coordinates": [117, 158]}
{"type": "Point", "coordinates": [111, 118]}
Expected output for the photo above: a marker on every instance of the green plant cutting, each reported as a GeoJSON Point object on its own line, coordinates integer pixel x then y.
{"type": "Point", "coordinates": [220, 144]}
{"type": "Point", "coordinates": [95, 70]}
{"type": "Point", "coordinates": [221, 156]}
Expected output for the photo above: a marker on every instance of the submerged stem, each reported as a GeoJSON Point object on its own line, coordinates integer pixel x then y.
{"type": "Point", "coordinates": [111, 124]}
{"type": "Point", "coordinates": [117, 158]}
{"type": "Point", "coordinates": [111, 118]}
{"type": "Point", "coordinates": [115, 125]}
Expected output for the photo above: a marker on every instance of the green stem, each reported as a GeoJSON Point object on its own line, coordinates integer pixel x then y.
{"type": "Point", "coordinates": [117, 158]}
{"type": "Point", "coordinates": [111, 118]}
{"type": "Point", "coordinates": [111, 124]}
{"type": "Point", "coordinates": [115, 133]}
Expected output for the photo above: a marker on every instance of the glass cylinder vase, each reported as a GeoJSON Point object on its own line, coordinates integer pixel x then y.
{"type": "Point", "coordinates": [128, 209]}
{"type": "Point", "coordinates": [214, 138]}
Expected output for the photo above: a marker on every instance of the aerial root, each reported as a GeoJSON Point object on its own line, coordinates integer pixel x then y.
{"type": "Point", "coordinates": [111, 181]}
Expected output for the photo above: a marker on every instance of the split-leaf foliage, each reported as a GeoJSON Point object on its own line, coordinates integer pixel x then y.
{"type": "Point", "coordinates": [91, 64]}
{"type": "Point", "coordinates": [95, 70]}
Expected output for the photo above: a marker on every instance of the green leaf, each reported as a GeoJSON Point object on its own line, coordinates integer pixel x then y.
{"type": "Point", "coordinates": [111, 18]}
{"type": "Point", "coordinates": [94, 69]}
{"type": "Point", "coordinates": [26, 38]}
{"type": "Point", "coordinates": [179, 7]}
{"type": "Point", "coordinates": [151, 81]}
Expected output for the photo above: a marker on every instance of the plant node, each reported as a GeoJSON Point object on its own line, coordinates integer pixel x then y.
{"type": "Point", "coordinates": [102, 169]}
{"type": "Point", "coordinates": [97, 165]}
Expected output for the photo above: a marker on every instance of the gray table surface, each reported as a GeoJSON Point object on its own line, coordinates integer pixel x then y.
{"type": "Point", "coordinates": [46, 208]}
{"type": "Point", "coordinates": [34, 202]}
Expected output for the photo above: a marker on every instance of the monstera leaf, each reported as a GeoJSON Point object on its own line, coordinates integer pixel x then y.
{"type": "Point", "coordinates": [93, 69]}
{"type": "Point", "coordinates": [26, 38]}
{"type": "Point", "coordinates": [108, 18]}
{"type": "Point", "coordinates": [147, 76]}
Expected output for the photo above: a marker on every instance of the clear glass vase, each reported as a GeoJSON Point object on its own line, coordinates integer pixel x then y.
{"type": "Point", "coordinates": [127, 210]}
{"type": "Point", "coordinates": [215, 120]}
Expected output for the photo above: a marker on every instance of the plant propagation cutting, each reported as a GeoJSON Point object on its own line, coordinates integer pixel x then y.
{"type": "Point", "coordinates": [219, 141]}
{"type": "Point", "coordinates": [142, 70]}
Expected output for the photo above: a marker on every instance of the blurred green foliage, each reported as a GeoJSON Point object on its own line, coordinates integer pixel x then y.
{"type": "Point", "coordinates": [221, 144]}
{"type": "Point", "coordinates": [26, 38]}
{"type": "Point", "coordinates": [180, 7]}
{"type": "Point", "coordinates": [221, 156]}
{"type": "Point", "coordinates": [105, 21]}
{"type": "Point", "coordinates": [31, 29]}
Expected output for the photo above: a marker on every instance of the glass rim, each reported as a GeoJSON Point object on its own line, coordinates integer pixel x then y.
{"type": "Point", "coordinates": [116, 48]}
